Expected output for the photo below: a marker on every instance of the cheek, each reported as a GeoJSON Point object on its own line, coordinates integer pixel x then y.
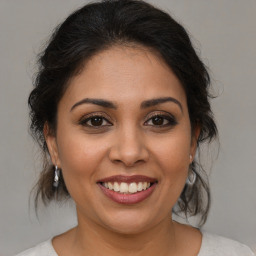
{"type": "Point", "coordinates": [172, 155]}
{"type": "Point", "coordinates": [80, 158]}
{"type": "Point", "coordinates": [80, 166]}
{"type": "Point", "coordinates": [174, 151]}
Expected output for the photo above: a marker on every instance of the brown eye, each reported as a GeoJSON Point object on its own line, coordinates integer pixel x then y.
{"type": "Point", "coordinates": [158, 120]}
{"type": "Point", "coordinates": [161, 121]}
{"type": "Point", "coordinates": [95, 121]}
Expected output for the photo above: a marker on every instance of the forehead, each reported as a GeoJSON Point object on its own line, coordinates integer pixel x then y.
{"type": "Point", "coordinates": [125, 74]}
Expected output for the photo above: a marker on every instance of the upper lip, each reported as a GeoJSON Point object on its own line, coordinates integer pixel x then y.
{"type": "Point", "coordinates": [127, 179]}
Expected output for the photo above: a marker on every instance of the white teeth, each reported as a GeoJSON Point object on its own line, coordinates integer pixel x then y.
{"type": "Point", "coordinates": [140, 186]}
{"type": "Point", "coordinates": [116, 187]}
{"type": "Point", "coordinates": [110, 186]}
{"type": "Point", "coordinates": [127, 188]}
{"type": "Point", "coordinates": [124, 187]}
{"type": "Point", "coordinates": [133, 187]}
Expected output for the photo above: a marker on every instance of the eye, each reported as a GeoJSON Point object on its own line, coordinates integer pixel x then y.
{"type": "Point", "coordinates": [96, 121]}
{"type": "Point", "coordinates": [161, 120]}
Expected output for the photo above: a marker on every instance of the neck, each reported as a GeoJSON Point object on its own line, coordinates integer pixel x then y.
{"type": "Point", "coordinates": [93, 239]}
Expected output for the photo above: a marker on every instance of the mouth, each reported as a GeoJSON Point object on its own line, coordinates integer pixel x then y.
{"type": "Point", "coordinates": [127, 189]}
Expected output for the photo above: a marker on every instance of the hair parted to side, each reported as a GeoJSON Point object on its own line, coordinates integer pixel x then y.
{"type": "Point", "coordinates": [98, 26]}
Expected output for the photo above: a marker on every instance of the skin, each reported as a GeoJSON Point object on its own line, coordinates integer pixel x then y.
{"type": "Point", "coordinates": [127, 142]}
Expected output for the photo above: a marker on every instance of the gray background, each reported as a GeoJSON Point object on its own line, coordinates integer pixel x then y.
{"type": "Point", "coordinates": [225, 33]}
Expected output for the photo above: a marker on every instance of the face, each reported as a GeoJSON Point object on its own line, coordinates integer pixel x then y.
{"type": "Point", "coordinates": [123, 140]}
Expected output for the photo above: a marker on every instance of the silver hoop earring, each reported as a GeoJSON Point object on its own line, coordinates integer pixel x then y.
{"type": "Point", "coordinates": [191, 177]}
{"type": "Point", "coordinates": [56, 177]}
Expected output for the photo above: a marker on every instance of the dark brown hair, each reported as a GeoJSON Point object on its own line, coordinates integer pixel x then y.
{"type": "Point", "coordinates": [98, 26]}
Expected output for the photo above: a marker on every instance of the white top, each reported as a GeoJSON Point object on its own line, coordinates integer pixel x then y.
{"type": "Point", "coordinates": [212, 245]}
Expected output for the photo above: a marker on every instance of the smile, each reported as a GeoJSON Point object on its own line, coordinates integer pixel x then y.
{"type": "Point", "coordinates": [127, 189]}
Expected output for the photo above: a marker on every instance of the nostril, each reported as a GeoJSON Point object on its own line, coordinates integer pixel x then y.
{"type": "Point", "coordinates": [117, 161]}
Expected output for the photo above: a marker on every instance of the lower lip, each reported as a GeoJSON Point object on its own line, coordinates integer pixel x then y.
{"type": "Point", "coordinates": [128, 198]}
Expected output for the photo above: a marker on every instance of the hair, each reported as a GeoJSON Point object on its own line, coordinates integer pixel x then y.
{"type": "Point", "coordinates": [99, 26]}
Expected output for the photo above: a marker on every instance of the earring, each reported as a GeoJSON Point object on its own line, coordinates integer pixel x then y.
{"type": "Point", "coordinates": [191, 177]}
{"type": "Point", "coordinates": [56, 177]}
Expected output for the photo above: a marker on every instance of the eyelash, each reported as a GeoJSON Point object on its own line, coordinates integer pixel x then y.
{"type": "Point", "coordinates": [168, 120]}
{"type": "Point", "coordinates": [84, 121]}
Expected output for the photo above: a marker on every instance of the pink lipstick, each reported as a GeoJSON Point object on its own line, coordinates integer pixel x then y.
{"type": "Point", "coordinates": [127, 189]}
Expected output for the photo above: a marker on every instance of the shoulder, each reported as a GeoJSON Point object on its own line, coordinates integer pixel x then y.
{"type": "Point", "coordinates": [213, 245]}
{"type": "Point", "coordinates": [42, 249]}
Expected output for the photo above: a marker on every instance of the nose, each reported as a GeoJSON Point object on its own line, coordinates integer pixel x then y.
{"type": "Point", "coordinates": [129, 148]}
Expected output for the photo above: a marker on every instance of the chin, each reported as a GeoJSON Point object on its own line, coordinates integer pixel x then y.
{"type": "Point", "coordinates": [130, 223]}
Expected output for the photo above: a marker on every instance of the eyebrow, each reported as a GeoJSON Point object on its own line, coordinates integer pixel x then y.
{"type": "Point", "coordinates": [144, 104]}
{"type": "Point", "coordinates": [154, 102]}
{"type": "Point", "coordinates": [99, 102]}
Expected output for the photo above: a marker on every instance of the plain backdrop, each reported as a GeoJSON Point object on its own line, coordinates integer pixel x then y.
{"type": "Point", "coordinates": [223, 31]}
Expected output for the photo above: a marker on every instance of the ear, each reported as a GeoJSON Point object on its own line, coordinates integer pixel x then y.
{"type": "Point", "coordinates": [194, 138]}
{"type": "Point", "coordinates": [52, 146]}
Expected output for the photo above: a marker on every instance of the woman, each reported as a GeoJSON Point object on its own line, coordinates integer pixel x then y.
{"type": "Point", "coordinates": [121, 105]}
